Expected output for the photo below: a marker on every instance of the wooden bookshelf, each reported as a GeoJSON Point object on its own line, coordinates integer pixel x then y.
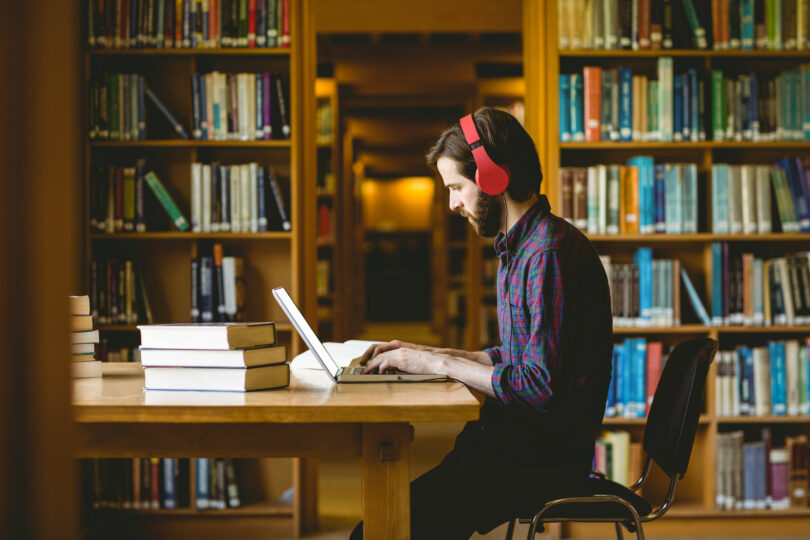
{"type": "Point", "coordinates": [694, 508]}
{"type": "Point", "coordinates": [273, 258]}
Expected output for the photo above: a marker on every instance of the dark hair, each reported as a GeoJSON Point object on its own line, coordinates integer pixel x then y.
{"type": "Point", "coordinates": [506, 142]}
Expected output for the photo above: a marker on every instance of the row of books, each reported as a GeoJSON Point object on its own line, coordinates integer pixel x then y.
{"type": "Point", "coordinates": [240, 106]}
{"type": "Point", "coordinates": [117, 292]}
{"type": "Point", "coordinates": [119, 200]}
{"type": "Point", "coordinates": [619, 459]}
{"type": "Point", "coordinates": [117, 108]}
{"type": "Point", "coordinates": [763, 381]}
{"type": "Point", "coordinates": [645, 292]}
{"type": "Point", "coordinates": [159, 24]}
{"type": "Point", "coordinates": [154, 483]}
{"type": "Point", "coordinates": [227, 357]}
{"type": "Point", "coordinates": [741, 197]}
{"type": "Point", "coordinates": [748, 107]}
{"type": "Point", "coordinates": [755, 475]}
{"type": "Point", "coordinates": [749, 291]}
{"type": "Point", "coordinates": [683, 24]}
{"type": "Point", "coordinates": [640, 197]}
{"type": "Point", "coordinates": [618, 105]}
{"type": "Point", "coordinates": [217, 287]}
{"type": "Point", "coordinates": [637, 366]}
{"type": "Point", "coordinates": [83, 337]}
{"type": "Point", "coordinates": [243, 197]}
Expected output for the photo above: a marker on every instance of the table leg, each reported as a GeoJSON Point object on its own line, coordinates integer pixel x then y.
{"type": "Point", "coordinates": [386, 484]}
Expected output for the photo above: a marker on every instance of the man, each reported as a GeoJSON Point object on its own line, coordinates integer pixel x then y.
{"type": "Point", "coordinates": [546, 384]}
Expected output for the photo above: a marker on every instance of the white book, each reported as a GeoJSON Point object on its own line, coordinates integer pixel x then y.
{"type": "Point", "coordinates": [244, 196]}
{"type": "Point", "coordinates": [792, 376]}
{"type": "Point", "coordinates": [601, 171]}
{"type": "Point", "coordinates": [250, 81]}
{"type": "Point", "coordinates": [85, 370]}
{"type": "Point", "coordinates": [748, 199]}
{"type": "Point", "coordinates": [235, 358]}
{"type": "Point", "coordinates": [254, 198]}
{"type": "Point", "coordinates": [207, 335]}
{"type": "Point", "coordinates": [762, 381]}
{"type": "Point", "coordinates": [217, 379]}
{"type": "Point", "coordinates": [236, 198]}
{"type": "Point", "coordinates": [735, 199]}
{"type": "Point", "coordinates": [665, 98]}
{"type": "Point", "coordinates": [196, 197]}
{"type": "Point", "coordinates": [593, 200]}
{"type": "Point", "coordinates": [242, 89]}
{"type": "Point", "coordinates": [229, 280]}
{"type": "Point", "coordinates": [763, 199]}
{"type": "Point", "coordinates": [89, 336]}
{"type": "Point", "coordinates": [207, 201]}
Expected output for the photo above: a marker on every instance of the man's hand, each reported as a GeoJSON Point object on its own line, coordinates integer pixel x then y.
{"type": "Point", "coordinates": [415, 361]}
{"type": "Point", "coordinates": [380, 348]}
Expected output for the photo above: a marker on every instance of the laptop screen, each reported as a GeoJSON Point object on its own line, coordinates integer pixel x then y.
{"type": "Point", "coordinates": [305, 331]}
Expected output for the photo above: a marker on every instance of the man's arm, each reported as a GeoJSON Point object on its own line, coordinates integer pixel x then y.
{"type": "Point", "coordinates": [480, 357]}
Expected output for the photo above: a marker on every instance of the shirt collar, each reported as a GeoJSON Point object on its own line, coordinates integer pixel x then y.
{"type": "Point", "coordinates": [521, 230]}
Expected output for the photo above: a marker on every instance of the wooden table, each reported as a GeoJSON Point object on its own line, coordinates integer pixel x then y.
{"type": "Point", "coordinates": [115, 417]}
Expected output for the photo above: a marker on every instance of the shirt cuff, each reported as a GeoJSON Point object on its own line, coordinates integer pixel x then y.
{"type": "Point", "coordinates": [499, 382]}
{"type": "Point", "coordinates": [494, 354]}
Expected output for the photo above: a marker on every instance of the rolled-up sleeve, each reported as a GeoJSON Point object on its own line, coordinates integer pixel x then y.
{"type": "Point", "coordinates": [494, 354]}
{"type": "Point", "coordinates": [528, 379]}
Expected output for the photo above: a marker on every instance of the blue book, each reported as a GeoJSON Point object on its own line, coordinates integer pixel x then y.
{"type": "Point", "coordinates": [747, 24]}
{"type": "Point", "coordinates": [203, 108]}
{"type": "Point", "coordinates": [795, 177]}
{"type": "Point", "coordinates": [577, 107]}
{"type": "Point", "coordinates": [625, 104]}
{"type": "Point", "coordinates": [673, 186]}
{"type": "Point", "coordinates": [743, 355]}
{"type": "Point", "coordinates": [660, 201]}
{"type": "Point", "coordinates": [646, 192]}
{"type": "Point", "coordinates": [643, 259]}
{"type": "Point", "coordinates": [565, 107]}
{"type": "Point", "coordinates": [753, 105]}
{"type": "Point", "coordinates": [749, 476]}
{"type": "Point", "coordinates": [720, 217]}
{"type": "Point", "coordinates": [677, 108]}
{"type": "Point", "coordinates": [141, 111]}
{"type": "Point", "coordinates": [159, 104]}
{"type": "Point", "coordinates": [610, 406]}
{"type": "Point", "coordinates": [686, 107]}
{"type": "Point", "coordinates": [261, 196]}
{"type": "Point", "coordinates": [169, 483]}
{"type": "Point", "coordinates": [778, 385]}
{"type": "Point", "coordinates": [626, 380]}
{"type": "Point", "coordinates": [618, 379]}
{"type": "Point", "coordinates": [690, 198]}
{"type": "Point", "coordinates": [694, 105]}
{"type": "Point", "coordinates": [717, 283]}
{"type": "Point", "coordinates": [640, 377]}
{"type": "Point", "coordinates": [203, 482]}
{"type": "Point", "coordinates": [694, 299]}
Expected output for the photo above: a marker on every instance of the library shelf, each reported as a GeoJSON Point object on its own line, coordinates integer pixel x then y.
{"type": "Point", "coordinates": [620, 421]}
{"type": "Point", "coordinates": [697, 53]}
{"type": "Point", "coordinates": [680, 329]}
{"type": "Point", "coordinates": [263, 508]}
{"type": "Point", "coordinates": [791, 419]}
{"type": "Point", "coordinates": [696, 511]}
{"type": "Point", "coordinates": [235, 51]}
{"type": "Point", "coordinates": [192, 143]}
{"type": "Point", "coordinates": [702, 145]}
{"type": "Point", "coordinates": [176, 235]}
{"type": "Point", "coordinates": [699, 237]}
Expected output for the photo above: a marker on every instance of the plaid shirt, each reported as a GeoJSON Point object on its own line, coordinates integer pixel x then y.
{"type": "Point", "coordinates": [557, 341]}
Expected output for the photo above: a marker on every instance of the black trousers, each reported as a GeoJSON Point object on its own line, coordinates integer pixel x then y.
{"type": "Point", "coordinates": [502, 467]}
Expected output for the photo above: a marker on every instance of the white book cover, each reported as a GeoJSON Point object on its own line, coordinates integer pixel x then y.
{"type": "Point", "coordinates": [735, 199]}
{"type": "Point", "coordinates": [242, 90]}
{"type": "Point", "coordinates": [601, 171]}
{"type": "Point", "coordinates": [748, 198]}
{"type": "Point", "coordinates": [196, 197]}
{"type": "Point", "coordinates": [593, 200]}
{"type": "Point", "coordinates": [762, 381]}
{"type": "Point", "coordinates": [244, 180]}
{"type": "Point", "coordinates": [229, 281]}
{"type": "Point", "coordinates": [763, 199]}
{"type": "Point", "coordinates": [250, 81]}
{"type": "Point", "coordinates": [254, 197]}
{"type": "Point", "coordinates": [792, 376]}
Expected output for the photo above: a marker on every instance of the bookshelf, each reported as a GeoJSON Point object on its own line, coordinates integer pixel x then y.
{"type": "Point", "coordinates": [163, 253]}
{"type": "Point", "coordinates": [329, 211]}
{"type": "Point", "coordinates": [694, 507]}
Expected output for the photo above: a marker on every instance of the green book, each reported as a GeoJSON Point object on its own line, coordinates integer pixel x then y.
{"type": "Point", "coordinates": [718, 97]}
{"type": "Point", "coordinates": [243, 23]}
{"type": "Point", "coordinates": [698, 31]}
{"type": "Point", "coordinates": [652, 111]}
{"type": "Point", "coordinates": [272, 23]}
{"type": "Point", "coordinates": [166, 201]}
{"type": "Point", "coordinates": [112, 95]}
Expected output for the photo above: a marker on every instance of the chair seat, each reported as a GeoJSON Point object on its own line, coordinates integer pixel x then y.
{"type": "Point", "coordinates": [603, 510]}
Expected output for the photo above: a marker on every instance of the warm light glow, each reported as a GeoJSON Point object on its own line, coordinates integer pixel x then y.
{"type": "Point", "coordinates": [403, 204]}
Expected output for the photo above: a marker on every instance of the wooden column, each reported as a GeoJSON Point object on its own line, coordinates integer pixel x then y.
{"type": "Point", "coordinates": [386, 484]}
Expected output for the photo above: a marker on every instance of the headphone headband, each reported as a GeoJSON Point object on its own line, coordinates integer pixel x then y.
{"type": "Point", "coordinates": [490, 177]}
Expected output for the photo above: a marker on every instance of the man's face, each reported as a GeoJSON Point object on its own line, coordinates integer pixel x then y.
{"type": "Point", "coordinates": [481, 210]}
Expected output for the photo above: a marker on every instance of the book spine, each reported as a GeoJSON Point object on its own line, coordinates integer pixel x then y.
{"type": "Point", "coordinates": [195, 290]}
{"type": "Point", "coordinates": [166, 201]}
{"type": "Point", "coordinates": [261, 199]}
{"type": "Point", "coordinates": [565, 108]}
{"type": "Point", "coordinates": [626, 105]}
{"type": "Point", "coordinates": [159, 104]}
{"type": "Point", "coordinates": [169, 485]}
{"type": "Point", "coordinates": [276, 191]}
{"type": "Point", "coordinates": [698, 31]}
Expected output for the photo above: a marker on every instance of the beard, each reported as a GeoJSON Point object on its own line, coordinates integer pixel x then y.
{"type": "Point", "coordinates": [488, 213]}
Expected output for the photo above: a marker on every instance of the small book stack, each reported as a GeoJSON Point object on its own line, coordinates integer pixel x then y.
{"type": "Point", "coordinates": [228, 357]}
{"type": "Point", "coordinates": [83, 339]}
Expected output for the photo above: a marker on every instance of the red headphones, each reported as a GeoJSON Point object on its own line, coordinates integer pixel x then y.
{"type": "Point", "coordinates": [490, 177]}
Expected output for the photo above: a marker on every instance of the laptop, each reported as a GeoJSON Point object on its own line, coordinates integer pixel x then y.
{"type": "Point", "coordinates": [349, 374]}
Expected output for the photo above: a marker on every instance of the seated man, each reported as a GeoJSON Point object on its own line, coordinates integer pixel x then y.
{"type": "Point", "coordinates": [546, 384]}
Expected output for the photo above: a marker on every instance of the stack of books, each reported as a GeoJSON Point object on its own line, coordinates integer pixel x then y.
{"type": "Point", "coordinates": [235, 357]}
{"type": "Point", "coordinates": [83, 339]}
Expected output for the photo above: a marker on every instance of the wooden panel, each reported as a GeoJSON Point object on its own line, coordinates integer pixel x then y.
{"type": "Point", "coordinates": [312, 397]}
{"type": "Point", "coordinates": [351, 16]}
{"type": "Point", "coordinates": [123, 439]}
{"type": "Point", "coordinates": [386, 488]}
{"type": "Point", "coordinates": [203, 525]}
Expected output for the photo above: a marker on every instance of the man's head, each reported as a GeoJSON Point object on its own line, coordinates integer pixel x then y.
{"type": "Point", "coordinates": [507, 144]}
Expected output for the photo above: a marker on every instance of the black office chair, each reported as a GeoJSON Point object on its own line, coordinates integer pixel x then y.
{"type": "Point", "coordinates": [668, 438]}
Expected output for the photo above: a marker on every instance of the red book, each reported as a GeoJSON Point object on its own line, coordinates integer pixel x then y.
{"type": "Point", "coordinates": [155, 462]}
{"type": "Point", "coordinates": [285, 23]}
{"type": "Point", "coordinates": [251, 23]}
{"type": "Point", "coordinates": [644, 21]}
{"type": "Point", "coordinates": [323, 223]}
{"type": "Point", "coordinates": [654, 352]}
{"type": "Point", "coordinates": [593, 103]}
{"type": "Point", "coordinates": [123, 40]}
{"type": "Point", "coordinates": [178, 23]}
{"type": "Point", "coordinates": [213, 22]}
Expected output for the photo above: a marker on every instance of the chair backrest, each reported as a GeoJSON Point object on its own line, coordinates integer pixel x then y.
{"type": "Point", "coordinates": [673, 418]}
